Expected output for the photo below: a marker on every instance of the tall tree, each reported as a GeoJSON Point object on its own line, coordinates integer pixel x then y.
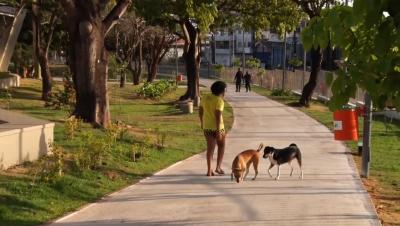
{"type": "Point", "coordinates": [87, 28]}
{"type": "Point", "coordinates": [193, 17]}
{"type": "Point", "coordinates": [313, 9]}
{"type": "Point", "coordinates": [45, 17]}
{"type": "Point", "coordinates": [129, 35]}
{"type": "Point", "coordinates": [156, 44]}
{"type": "Point", "coordinates": [284, 17]}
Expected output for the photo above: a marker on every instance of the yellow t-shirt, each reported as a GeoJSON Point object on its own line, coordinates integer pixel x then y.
{"type": "Point", "coordinates": [210, 104]}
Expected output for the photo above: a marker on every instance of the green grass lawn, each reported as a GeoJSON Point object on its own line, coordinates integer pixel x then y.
{"type": "Point", "coordinates": [23, 202]}
{"type": "Point", "coordinates": [385, 165]}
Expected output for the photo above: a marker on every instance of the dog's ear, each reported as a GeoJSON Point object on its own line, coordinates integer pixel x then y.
{"type": "Point", "coordinates": [268, 149]}
{"type": "Point", "coordinates": [292, 145]}
{"type": "Point", "coordinates": [260, 147]}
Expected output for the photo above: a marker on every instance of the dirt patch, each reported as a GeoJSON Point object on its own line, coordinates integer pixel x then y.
{"type": "Point", "coordinates": [19, 170]}
{"type": "Point", "coordinates": [318, 107]}
{"type": "Point", "coordinates": [112, 175]}
{"type": "Point", "coordinates": [388, 207]}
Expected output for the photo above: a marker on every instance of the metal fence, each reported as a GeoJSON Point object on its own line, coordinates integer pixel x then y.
{"type": "Point", "coordinates": [294, 80]}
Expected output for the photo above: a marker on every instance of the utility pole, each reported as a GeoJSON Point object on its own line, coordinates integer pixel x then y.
{"type": "Point", "coordinates": [366, 151]}
{"type": "Point", "coordinates": [233, 47]}
{"type": "Point", "coordinates": [176, 57]}
{"type": "Point", "coordinates": [284, 61]}
{"type": "Point", "coordinates": [304, 24]}
{"type": "Point", "coordinates": [243, 55]}
{"type": "Point", "coordinates": [209, 54]}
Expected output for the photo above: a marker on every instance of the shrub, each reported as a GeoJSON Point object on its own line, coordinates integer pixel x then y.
{"type": "Point", "coordinates": [115, 131]}
{"type": "Point", "coordinates": [219, 68]}
{"type": "Point", "coordinates": [49, 167]}
{"type": "Point", "coordinates": [139, 151]}
{"type": "Point", "coordinates": [7, 96]}
{"type": "Point", "coordinates": [65, 97]}
{"type": "Point", "coordinates": [156, 89]}
{"type": "Point", "coordinates": [295, 62]}
{"type": "Point", "coordinates": [253, 62]}
{"type": "Point", "coordinates": [91, 153]}
{"type": "Point", "coordinates": [71, 126]}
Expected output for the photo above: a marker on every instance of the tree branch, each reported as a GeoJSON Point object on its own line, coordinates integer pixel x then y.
{"type": "Point", "coordinates": [186, 36]}
{"type": "Point", "coordinates": [53, 21]}
{"type": "Point", "coordinates": [307, 8]}
{"type": "Point", "coordinates": [115, 14]}
{"type": "Point", "coordinates": [69, 6]}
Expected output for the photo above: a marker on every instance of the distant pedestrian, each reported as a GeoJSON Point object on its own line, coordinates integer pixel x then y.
{"type": "Point", "coordinates": [247, 80]}
{"type": "Point", "coordinates": [238, 79]}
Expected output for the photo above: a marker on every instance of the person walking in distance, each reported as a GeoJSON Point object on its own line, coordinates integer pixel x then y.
{"type": "Point", "coordinates": [212, 123]}
{"type": "Point", "coordinates": [247, 80]}
{"type": "Point", "coordinates": [238, 79]}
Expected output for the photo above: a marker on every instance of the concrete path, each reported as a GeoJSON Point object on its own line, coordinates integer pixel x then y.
{"type": "Point", "coordinates": [330, 194]}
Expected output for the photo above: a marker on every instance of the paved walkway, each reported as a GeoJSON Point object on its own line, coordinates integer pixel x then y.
{"type": "Point", "coordinates": [330, 194]}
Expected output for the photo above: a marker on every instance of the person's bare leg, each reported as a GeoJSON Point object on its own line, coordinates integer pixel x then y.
{"type": "Point", "coordinates": [221, 151]}
{"type": "Point", "coordinates": [210, 153]}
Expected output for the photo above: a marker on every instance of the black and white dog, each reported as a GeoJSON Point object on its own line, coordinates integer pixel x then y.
{"type": "Point", "coordinates": [281, 156]}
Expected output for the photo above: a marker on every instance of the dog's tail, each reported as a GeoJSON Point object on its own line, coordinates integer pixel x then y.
{"type": "Point", "coordinates": [260, 147]}
{"type": "Point", "coordinates": [298, 157]}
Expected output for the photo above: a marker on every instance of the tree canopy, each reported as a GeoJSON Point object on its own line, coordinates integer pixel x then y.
{"type": "Point", "coordinates": [368, 34]}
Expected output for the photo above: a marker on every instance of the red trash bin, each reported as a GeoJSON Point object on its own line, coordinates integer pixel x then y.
{"type": "Point", "coordinates": [179, 78]}
{"type": "Point", "coordinates": [345, 124]}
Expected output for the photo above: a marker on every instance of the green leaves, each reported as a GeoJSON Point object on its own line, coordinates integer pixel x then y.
{"type": "Point", "coordinates": [329, 78]}
{"type": "Point", "coordinates": [384, 37]}
{"type": "Point", "coordinates": [370, 43]}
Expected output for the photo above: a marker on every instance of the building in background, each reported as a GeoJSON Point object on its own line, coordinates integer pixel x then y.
{"type": "Point", "coordinates": [223, 47]}
{"type": "Point", "coordinates": [228, 46]}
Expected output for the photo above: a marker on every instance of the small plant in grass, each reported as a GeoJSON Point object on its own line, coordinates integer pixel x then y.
{"type": "Point", "coordinates": [122, 130]}
{"type": "Point", "coordinates": [280, 92]}
{"type": "Point", "coordinates": [91, 153]}
{"type": "Point", "coordinates": [65, 97]}
{"type": "Point", "coordinates": [161, 137]}
{"type": "Point", "coordinates": [72, 126]}
{"type": "Point", "coordinates": [7, 96]}
{"type": "Point", "coordinates": [139, 151]}
{"type": "Point", "coordinates": [116, 131]}
{"type": "Point", "coordinates": [50, 167]}
{"type": "Point", "coordinates": [112, 133]}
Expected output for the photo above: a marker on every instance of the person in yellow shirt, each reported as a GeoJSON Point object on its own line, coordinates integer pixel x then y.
{"type": "Point", "coordinates": [212, 123]}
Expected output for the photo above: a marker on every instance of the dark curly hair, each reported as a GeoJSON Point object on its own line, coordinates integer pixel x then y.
{"type": "Point", "coordinates": [218, 88]}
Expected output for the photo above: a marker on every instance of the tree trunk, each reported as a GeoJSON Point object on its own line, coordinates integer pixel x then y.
{"type": "Point", "coordinates": [36, 42]}
{"type": "Point", "coordinates": [89, 64]}
{"type": "Point", "coordinates": [192, 61]}
{"type": "Point", "coordinates": [284, 61]}
{"type": "Point", "coordinates": [152, 70]}
{"type": "Point", "coordinates": [308, 90]}
{"type": "Point", "coordinates": [148, 65]}
{"type": "Point", "coordinates": [46, 75]}
{"type": "Point", "coordinates": [88, 57]}
{"type": "Point", "coordinates": [122, 80]}
{"type": "Point", "coordinates": [41, 51]}
{"type": "Point", "coordinates": [137, 70]}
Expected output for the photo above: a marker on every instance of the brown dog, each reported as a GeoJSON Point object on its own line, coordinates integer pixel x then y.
{"type": "Point", "coordinates": [242, 162]}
